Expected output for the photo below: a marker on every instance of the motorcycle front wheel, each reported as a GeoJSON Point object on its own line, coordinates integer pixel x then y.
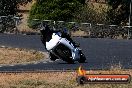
{"type": "Point", "coordinates": [82, 58]}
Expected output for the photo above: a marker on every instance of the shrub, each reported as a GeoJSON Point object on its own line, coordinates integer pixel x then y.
{"type": "Point", "coordinates": [54, 10]}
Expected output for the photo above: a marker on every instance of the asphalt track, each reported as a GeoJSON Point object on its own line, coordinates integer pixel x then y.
{"type": "Point", "coordinates": [100, 53]}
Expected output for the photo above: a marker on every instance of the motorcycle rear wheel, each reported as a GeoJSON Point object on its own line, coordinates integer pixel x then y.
{"type": "Point", "coordinates": [64, 53]}
{"type": "Point", "coordinates": [66, 56]}
{"type": "Point", "coordinates": [52, 57]}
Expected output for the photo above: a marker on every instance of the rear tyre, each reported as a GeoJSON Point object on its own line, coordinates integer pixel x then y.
{"type": "Point", "coordinates": [82, 58]}
{"type": "Point", "coordinates": [52, 57]}
{"type": "Point", "coordinates": [65, 53]}
{"type": "Point", "coordinates": [65, 56]}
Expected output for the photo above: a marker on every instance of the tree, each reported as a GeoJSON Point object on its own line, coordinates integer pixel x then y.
{"type": "Point", "coordinates": [90, 15]}
{"type": "Point", "coordinates": [55, 9]}
{"type": "Point", "coordinates": [118, 12]}
{"type": "Point", "coordinates": [10, 7]}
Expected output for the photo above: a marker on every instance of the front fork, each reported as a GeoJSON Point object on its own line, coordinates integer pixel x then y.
{"type": "Point", "coordinates": [76, 54]}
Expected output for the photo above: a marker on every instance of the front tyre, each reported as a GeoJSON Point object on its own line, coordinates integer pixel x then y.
{"type": "Point", "coordinates": [82, 58]}
{"type": "Point", "coordinates": [70, 61]}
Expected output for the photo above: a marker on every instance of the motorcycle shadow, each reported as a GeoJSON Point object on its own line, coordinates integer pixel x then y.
{"type": "Point", "coordinates": [71, 63]}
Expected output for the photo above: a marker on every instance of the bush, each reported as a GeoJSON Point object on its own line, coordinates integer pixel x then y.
{"type": "Point", "coordinates": [90, 15]}
{"type": "Point", "coordinates": [54, 10]}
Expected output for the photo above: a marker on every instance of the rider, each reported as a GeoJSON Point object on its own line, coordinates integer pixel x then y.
{"type": "Point", "coordinates": [46, 35]}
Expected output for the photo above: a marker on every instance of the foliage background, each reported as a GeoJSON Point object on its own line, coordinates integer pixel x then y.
{"type": "Point", "coordinates": [118, 12]}
{"type": "Point", "coordinates": [55, 10]}
{"type": "Point", "coordinates": [10, 7]}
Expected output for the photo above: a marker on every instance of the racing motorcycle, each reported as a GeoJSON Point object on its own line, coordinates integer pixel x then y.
{"type": "Point", "coordinates": [61, 46]}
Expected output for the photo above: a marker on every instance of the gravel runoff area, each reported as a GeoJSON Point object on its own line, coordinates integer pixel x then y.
{"type": "Point", "coordinates": [13, 56]}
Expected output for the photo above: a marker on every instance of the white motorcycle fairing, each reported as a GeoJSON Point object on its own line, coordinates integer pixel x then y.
{"type": "Point", "coordinates": [56, 39]}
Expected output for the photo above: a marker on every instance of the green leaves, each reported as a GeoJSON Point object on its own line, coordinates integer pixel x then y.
{"type": "Point", "coordinates": [6, 8]}
{"type": "Point", "coordinates": [54, 9]}
{"type": "Point", "coordinates": [10, 7]}
{"type": "Point", "coordinates": [118, 13]}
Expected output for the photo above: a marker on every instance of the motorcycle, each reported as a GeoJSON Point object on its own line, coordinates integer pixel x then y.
{"type": "Point", "coordinates": [61, 46]}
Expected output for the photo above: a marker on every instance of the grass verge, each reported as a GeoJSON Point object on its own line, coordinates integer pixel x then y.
{"type": "Point", "coordinates": [55, 80]}
{"type": "Point", "coordinates": [10, 56]}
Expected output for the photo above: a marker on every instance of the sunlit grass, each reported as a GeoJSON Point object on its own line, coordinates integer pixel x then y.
{"type": "Point", "coordinates": [55, 80]}
{"type": "Point", "coordinates": [10, 56]}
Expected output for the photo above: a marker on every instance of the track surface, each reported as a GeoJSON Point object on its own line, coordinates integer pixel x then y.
{"type": "Point", "coordinates": [100, 53]}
